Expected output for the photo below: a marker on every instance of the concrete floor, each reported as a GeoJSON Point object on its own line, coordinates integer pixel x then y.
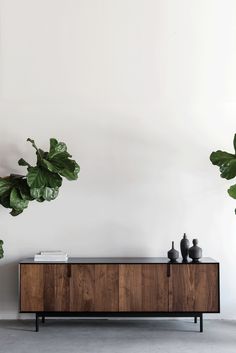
{"type": "Point", "coordinates": [116, 336]}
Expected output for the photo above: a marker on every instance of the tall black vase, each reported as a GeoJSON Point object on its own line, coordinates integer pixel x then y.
{"type": "Point", "coordinates": [184, 247]}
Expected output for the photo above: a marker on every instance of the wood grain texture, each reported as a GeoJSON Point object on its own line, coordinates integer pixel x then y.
{"type": "Point", "coordinates": [56, 287]}
{"type": "Point", "coordinates": [106, 288]}
{"type": "Point", "coordinates": [130, 287]}
{"type": "Point", "coordinates": [143, 288]}
{"type": "Point", "coordinates": [82, 288]}
{"type": "Point", "coordinates": [31, 288]}
{"type": "Point", "coordinates": [154, 288]}
{"type": "Point", "coordinates": [193, 287]}
{"type": "Point", "coordinates": [124, 287]}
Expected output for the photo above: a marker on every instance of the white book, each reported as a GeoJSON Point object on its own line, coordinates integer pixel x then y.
{"type": "Point", "coordinates": [56, 252]}
{"type": "Point", "coordinates": [50, 258]}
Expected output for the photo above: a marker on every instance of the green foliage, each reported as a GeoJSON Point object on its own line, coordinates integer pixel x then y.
{"type": "Point", "coordinates": [42, 182]}
{"type": "Point", "coordinates": [227, 165]}
{"type": "Point", "coordinates": [1, 249]}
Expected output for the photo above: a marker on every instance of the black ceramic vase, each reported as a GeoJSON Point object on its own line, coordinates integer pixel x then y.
{"type": "Point", "coordinates": [195, 252]}
{"type": "Point", "coordinates": [172, 253]}
{"type": "Point", "coordinates": [184, 247]}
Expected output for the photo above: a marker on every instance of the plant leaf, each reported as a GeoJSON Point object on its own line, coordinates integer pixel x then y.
{"type": "Point", "coordinates": [57, 148]}
{"type": "Point", "coordinates": [33, 143]}
{"type": "Point", "coordinates": [227, 163]}
{"type": "Point", "coordinates": [5, 200]}
{"type": "Point", "coordinates": [235, 143]}
{"type": "Point", "coordinates": [36, 193]}
{"type": "Point", "coordinates": [22, 162]}
{"type": "Point", "coordinates": [38, 177]}
{"type": "Point", "coordinates": [16, 201]}
{"type": "Point", "coordinates": [15, 212]}
{"type": "Point", "coordinates": [24, 190]}
{"type": "Point", "coordinates": [71, 169]}
{"type": "Point", "coordinates": [48, 165]}
{"type": "Point", "coordinates": [1, 249]}
{"type": "Point", "coordinates": [64, 166]}
{"type": "Point", "coordinates": [44, 193]}
{"type": "Point", "coordinates": [232, 191]}
{"type": "Point", "coordinates": [50, 193]}
{"type": "Point", "coordinates": [5, 185]}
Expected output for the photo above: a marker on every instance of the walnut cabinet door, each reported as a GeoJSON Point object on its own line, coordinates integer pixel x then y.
{"type": "Point", "coordinates": [194, 288]}
{"type": "Point", "coordinates": [94, 288]}
{"type": "Point", "coordinates": [143, 288]}
{"type": "Point", "coordinates": [69, 287]}
{"type": "Point", "coordinates": [44, 287]}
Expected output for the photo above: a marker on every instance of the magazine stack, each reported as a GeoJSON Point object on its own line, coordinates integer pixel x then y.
{"type": "Point", "coordinates": [51, 256]}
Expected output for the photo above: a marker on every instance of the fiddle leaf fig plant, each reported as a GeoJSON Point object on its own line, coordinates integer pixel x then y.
{"type": "Point", "coordinates": [42, 181]}
{"type": "Point", "coordinates": [227, 165]}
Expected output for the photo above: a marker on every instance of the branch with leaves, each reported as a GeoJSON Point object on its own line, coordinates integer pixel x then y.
{"type": "Point", "coordinates": [227, 164]}
{"type": "Point", "coordinates": [42, 181]}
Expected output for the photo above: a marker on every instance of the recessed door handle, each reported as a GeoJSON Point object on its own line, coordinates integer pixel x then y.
{"type": "Point", "coordinates": [68, 270]}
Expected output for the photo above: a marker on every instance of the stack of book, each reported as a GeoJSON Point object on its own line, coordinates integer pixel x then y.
{"type": "Point", "coordinates": [51, 256]}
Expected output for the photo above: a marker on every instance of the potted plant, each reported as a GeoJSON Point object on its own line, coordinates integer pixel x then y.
{"type": "Point", "coordinates": [41, 182]}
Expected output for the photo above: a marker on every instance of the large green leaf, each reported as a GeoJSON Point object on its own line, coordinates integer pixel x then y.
{"type": "Point", "coordinates": [5, 200]}
{"type": "Point", "coordinates": [57, 148]}
{"type": "Point", "coordinates": [65, 167]}
{"type": "Point", "coordinates": [16, 201]}
{"type": "Point", "coordinates": [50, 193]}
{"type": "Point", "coordinates": [44, 193]}
{"type": "Point", "coordinates": [15, 192]}
{"type": "Point", "coordinates": [227, 163]}
{"type": "Point", "coordinates": [24, 190]}
{"type": "Point", "coordinates": [71, 169]}
{"type": "Point", "coordinates": [38, 177]}
{"type": "Point", "coordinates": [5, 185]}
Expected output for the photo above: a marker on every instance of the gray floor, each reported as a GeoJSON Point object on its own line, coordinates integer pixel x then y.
{"type": "Point", "coordinates": [115, 336]}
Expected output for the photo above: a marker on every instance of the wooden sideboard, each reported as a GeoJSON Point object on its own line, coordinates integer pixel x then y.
{"type": "Point", "coordinates": [112, 287]}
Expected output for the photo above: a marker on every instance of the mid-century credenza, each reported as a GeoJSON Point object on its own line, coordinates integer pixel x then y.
{"type": "Point", "coordinates": [119, 287]}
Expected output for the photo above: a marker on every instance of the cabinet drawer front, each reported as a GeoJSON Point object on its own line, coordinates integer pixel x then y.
{"type": "Point", "coordinates": [194, 288]}
{"type": "Point", "coordinates": [143, 288]}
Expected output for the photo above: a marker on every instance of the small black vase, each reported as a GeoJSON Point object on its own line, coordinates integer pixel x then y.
{"type": "Point", "coordinates": [184, 247]}
{"type": "Point", "coordinates": [172, 253]}
{"type": "Point", "coordinates": [195, 252]}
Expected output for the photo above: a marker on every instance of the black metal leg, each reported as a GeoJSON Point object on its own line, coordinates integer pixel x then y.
{"type": "Point", "coordinates": [43, 319]}
{"type": "Point", "coordinates": [36, 322]}
{"type": "Point", "coordinates": [201, 322]}
{"type": "Point", "coordinates": [195, 319]}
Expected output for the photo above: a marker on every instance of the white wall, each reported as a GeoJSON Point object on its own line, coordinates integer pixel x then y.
{"type": "Point", "coordinates": [141, 91]}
